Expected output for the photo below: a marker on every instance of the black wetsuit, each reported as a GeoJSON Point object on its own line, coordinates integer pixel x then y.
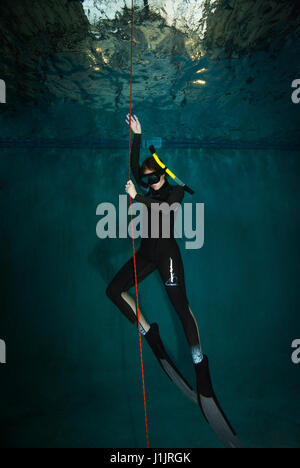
{"type": "Point", "coordinates": [156, 253]}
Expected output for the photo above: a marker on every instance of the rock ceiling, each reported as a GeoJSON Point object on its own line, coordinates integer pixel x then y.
{"type": "Point", "coordinates": [184, 51]}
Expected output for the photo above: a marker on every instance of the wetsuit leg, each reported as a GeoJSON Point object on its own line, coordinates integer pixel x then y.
{"type": "Point", "coordinates": [172, 273]}
{"type": "Point", "coordinates": [124, 280]}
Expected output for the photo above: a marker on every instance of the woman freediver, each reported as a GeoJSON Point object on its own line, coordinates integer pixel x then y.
{"type": "Point", "coordinates": [155, 253]}
{"type": "Point", "coordinates": [162, 253]}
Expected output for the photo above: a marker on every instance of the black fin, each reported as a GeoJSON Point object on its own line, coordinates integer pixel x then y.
{"type": "Point", "coordinates": [211, 408]}
{"type": "Point", "coordinates": [154, 340]}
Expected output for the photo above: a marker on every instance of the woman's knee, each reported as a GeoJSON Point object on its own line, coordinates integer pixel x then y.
{"type": "Point", "coordinates": [112, 291]}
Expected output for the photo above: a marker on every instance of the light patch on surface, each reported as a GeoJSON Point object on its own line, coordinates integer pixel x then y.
{"type": "Point", "coordinates": [104, 58]}
{"type": "Point", "coordinates": [185, 16]}
{"type": "Point", "coordinates": [199, 82]}
{"type": "Point", "coordinates": [93, 59]}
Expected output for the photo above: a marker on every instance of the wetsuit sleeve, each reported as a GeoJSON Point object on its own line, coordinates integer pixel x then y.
{"type": "Point", "coordinates": [135, 159]}
{"type": "Point", "coordinates": [176, 196]}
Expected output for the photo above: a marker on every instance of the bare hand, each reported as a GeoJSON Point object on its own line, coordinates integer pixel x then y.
{"type": "Point", "coordinates": [130, 189]}
{"type": "Point", "coordinates": [135, 123]}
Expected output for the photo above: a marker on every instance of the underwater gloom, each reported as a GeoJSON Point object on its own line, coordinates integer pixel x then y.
{"type": "Point", "coordinates": [149, 179]}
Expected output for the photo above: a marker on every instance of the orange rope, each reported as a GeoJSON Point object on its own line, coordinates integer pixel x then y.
{"type": "Point", "coordinates": [133, 244]}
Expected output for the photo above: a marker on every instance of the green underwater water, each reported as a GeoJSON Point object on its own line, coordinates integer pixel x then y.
{"type": "Point", "coordinates": [73, 375]}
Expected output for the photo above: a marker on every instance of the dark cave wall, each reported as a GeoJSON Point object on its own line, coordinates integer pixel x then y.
{"type": "Point", "coordinates": [244, 26]}
{"type": "Point", "coordinates": [53, 58]}
{"type": "Point", "coordinates": [29, 32]}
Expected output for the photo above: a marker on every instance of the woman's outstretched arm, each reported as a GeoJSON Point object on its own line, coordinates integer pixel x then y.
{"type": "Point", "coordinates": [136, 145]}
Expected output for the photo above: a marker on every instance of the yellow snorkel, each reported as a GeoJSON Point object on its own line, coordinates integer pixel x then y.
{"type": "Point", "coordinates": [167, 171]}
